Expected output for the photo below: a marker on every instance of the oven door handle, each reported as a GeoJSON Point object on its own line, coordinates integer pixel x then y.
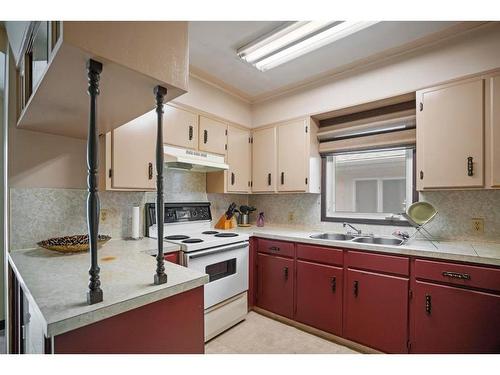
{"type": "Point", "coordinates": [215, 250]}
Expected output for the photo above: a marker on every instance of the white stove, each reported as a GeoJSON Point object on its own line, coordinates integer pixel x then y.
{"type": "Point", "coordinates": [221, 254]}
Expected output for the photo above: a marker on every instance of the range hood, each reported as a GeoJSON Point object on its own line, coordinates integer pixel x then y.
{"type": "Point", "coordinates": [194, 161]}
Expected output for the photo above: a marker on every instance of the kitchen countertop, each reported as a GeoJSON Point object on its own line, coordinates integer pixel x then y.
{"type": "Point", "coordinates": [465, 251]}
{"type": "Point", "coordinates": [56, 284]}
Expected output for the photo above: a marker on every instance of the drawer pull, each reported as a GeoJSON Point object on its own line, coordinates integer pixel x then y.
{"type": "Point", "coordinates": [470, 166]}
{"type": "Point", "coordinates": [269, 179]}
{"type": "Point", "coordinates": [232, 178]}
{"type": "Point", "coordinates": [428, 304]}
{"type": "Point", "coordinates": [205, 136]}
{"type": "Point", "coordinates": [190, 132]}
{"type": "Point", "coordinates": [356, 288]}
{"type": "Point", "coordinates": [274, 248]}
{"type": "Point", "coordinates": [150, 171]}
{"type": "Point", "coordinates": [333, 282]}
{"type": "Point", "coordinates": [457, 275]}
{"type": "Point", "coordinates": [285, 272]}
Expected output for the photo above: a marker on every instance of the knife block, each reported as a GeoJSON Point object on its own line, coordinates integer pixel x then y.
{"type": "Point", "coordinates": [225, 223]}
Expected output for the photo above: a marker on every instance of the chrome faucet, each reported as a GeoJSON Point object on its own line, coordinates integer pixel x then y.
{"type": "Point", "coordinates": [358, 231]}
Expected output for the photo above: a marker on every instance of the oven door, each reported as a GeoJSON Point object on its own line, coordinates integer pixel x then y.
{"type": "Point", "coordinates": [227, 268]}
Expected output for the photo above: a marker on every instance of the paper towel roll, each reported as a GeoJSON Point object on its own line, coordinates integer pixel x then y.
{"type": "Point", "coordinates": [136, 210]}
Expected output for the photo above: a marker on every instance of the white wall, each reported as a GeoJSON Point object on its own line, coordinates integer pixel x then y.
{"type": "Point", "coordinates": [473, 52]}
{"type": "Point", "coordinates": [208, 98]}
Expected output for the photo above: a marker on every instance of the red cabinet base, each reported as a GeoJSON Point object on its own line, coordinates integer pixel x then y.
{"type": "Point", "coordinates": [173, 325]}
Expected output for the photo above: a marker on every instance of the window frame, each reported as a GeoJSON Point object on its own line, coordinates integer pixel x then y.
{"type": "Point", "coordinates": [356, 219]}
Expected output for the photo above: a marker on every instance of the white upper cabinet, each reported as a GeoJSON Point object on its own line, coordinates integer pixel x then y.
{"type": "Point", "coordinates": [180, 127]}
{"type": "Point", "coordinates": [450, 136]}
{"type": "Point", "coordinates": [238, 159]}
{"type": "Point", "coordinates": [212, 136]}
{"type": "Point", "coordinates": [264, 159]}
{"type": "Point", "coordinates": [492, 136]}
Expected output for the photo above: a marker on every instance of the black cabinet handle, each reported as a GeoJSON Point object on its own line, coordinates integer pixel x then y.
{"type": "Point", "coordinates": [457, 275]}
{"type": "Point", "coordinates": [269, 179]}
{"type": "Point", "coordinates": [205, 136]}
{"type": "Point", "coordinates": [470, 166]}
{"type": "Point", "coordinates": [285, 272]}
{"type": "Point", "coordinates": [282, 178]}
{"type": "Point", "coordinates": [333, 283]}
{"type": "Point", "coordinates": [150, 171]}
{"type": "Point", "coordinates": [232, 178]}
{"type": "Point", "coordinates": [421, 175]}
{"type": "Point", "coordinates": [428, 304]}
{"type": "Point", "coordinates": [356, 288]}
{"type": "Point", "coordinates": [274, 248]}
{"type": "Point", "coordinates": [190, 132]}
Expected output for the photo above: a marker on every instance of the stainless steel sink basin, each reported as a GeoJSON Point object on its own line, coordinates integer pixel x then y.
{"type": "Point", "coordinates": [379, 240]}
{"type": "Point", "coordinates": [332, 236]}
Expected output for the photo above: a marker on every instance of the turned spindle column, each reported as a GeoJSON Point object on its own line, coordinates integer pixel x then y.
{"type": "Point", "coordinates": [94, 294]}
{"type": "Point", "coordinates": [160, 276]}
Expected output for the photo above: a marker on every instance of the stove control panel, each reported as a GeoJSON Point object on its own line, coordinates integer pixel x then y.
{"type": "Point", "coordinates": [179, 212]}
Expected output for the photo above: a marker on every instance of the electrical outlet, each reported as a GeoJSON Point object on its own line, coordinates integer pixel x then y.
{"type": "Point", "coordinates": [104, 214]}
{"type": "Point", "coordinates": [478, 225]}
{"type": "Point", "coordinates": [291, 216]}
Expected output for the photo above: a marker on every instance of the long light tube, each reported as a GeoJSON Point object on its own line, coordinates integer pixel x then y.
{"type": "Point", "coordinates": [296, 40]}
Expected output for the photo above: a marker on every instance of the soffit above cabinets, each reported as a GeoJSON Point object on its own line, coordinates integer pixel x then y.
{"type": "Point", "coordinates": [213, 46]}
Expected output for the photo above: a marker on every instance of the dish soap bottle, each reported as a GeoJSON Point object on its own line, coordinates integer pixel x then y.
{"type": "Point", "coordinates": [260, 219]}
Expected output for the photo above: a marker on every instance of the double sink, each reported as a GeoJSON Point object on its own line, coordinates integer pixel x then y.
{"type": "Point", "coordinates": [359, 239]}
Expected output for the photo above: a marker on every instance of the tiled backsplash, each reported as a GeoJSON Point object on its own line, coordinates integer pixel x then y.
{"type": "Point", "coordinates": [39, 213]}
{"type": "Point", "coordinates": [453, 221]}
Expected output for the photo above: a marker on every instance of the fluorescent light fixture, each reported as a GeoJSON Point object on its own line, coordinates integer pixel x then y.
{"type": "Point", "coordinates": [296, 40]}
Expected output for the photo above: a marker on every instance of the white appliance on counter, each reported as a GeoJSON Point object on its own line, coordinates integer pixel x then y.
{"type": "Point", "coordinates": [223, 255]}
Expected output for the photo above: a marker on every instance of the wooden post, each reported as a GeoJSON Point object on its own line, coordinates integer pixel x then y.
{"type": "Point", "coordinates": [160, 276]}
{"type": "Point", "coordinates": [94, 294]}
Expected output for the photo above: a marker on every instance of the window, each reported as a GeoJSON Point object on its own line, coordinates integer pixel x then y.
{"type": "Point", "coordinates": [368, 186]}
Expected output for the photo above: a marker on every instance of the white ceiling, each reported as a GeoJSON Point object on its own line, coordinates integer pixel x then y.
{"type": "Point", "coordinates": [213, 46]}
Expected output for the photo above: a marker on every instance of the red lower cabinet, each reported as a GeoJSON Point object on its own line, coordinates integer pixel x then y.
{"type": "Point", "coordinates": [376, 311]}
{"type": "Point", "coordinates": [454, 320]}
{"type": "Point", "coordinates": [319, 296]}
{"type": "Point", "coordinates": [275, 277]}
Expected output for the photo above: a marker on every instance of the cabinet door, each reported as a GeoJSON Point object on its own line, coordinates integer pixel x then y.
{"type": "Point", "coordinates": [454, 320]}
{"type": "Point", "coordinates": [238, 158]}
{"type": "Point", "coordinates": [212, 137]}
{"type": "Point", "coordinates": [376, 312]}
{"type": "Point", "coordinates": [319, 296]}
{"type": "Point", "coordinates": [275, 284]}
{"type": "Point", "coordinates": [264, 154]}
{"type": "Point", "coordinates": [133, 153]}
{"type": "Point", "coordinates": [492, 137]}
{"type": "Point", "coordinates": [293, 156]}
{"type": "Point", "coordinates": [450, 130]}
{"type": "Point", "coordinates": [180, 128]}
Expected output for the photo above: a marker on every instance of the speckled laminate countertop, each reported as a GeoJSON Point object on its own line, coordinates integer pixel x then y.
{"type": "Point", "coordinates": [465, 251]}
{"type": "Point", "coordinates": [56, 284]}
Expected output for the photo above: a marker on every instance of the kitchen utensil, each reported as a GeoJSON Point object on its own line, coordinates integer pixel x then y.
{"type": "Point", "coordinates": [72, 244]}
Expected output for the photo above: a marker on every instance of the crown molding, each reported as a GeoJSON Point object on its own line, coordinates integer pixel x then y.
{"type": "Point", "coordinates": [371, 62]}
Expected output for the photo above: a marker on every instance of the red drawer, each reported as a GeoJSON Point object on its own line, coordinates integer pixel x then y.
{"type": "Point", "coordinates": [377, 262]}
{"type": "Point", "coordinates": [327, 255]}
{"type": "Point", "coordinates": [458, 274]}
{"type": "Point", "coordinates": [280, 248]}
{"type": "Point", "coordinates": [172, 257]}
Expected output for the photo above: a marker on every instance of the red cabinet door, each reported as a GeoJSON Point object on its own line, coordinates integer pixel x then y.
{"type": "Point", "coordinates": [454, 320]}
{"type": "Point", "coordinates": [275, 284]}
{"type": "Point", "coordinates": [319, 296]}
{"type": "Point", "coordinates": [376, 311]}
{"type": "Point", "coordinates": [172, 257]}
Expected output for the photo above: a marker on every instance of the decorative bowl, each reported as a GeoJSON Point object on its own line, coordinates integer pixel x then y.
{"type": "Point", "coordinates": [72, 244]}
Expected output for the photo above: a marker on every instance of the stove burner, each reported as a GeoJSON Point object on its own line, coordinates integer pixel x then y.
{"type": "Point", "coordinates": [226, 235]}
{"type": "Point", "coordinates": [192, 240]}
{"type": "Point", "coordinates": [176, 237]}
{"type": "Point", "coordinates": [210, 232]}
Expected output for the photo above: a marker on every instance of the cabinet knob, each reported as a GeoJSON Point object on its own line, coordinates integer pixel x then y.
{"type": "Point", "coordinates": [190, 132]}
{"type": "Point", "coordinates": [428, 304]}
{"type": "Point", "coordinates": [470, 166]}
{"type": "Point", "coordinates": [356, 288]}
{"type": "Point", "coordinates": [150, 171]}
{"type": "Point", "coordinates": [205, 136]}
{"type": "Point", "coordinates": [333, 284]}
{"type": "Point", "coordinates": [285, 273]}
